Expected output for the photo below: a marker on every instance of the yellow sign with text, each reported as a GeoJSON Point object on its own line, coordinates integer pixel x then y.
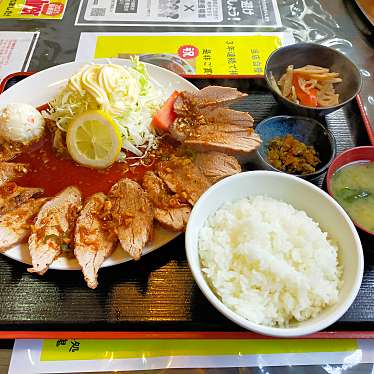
{"type": "Point", "coordinates": [35, 9]}
{"type": "Point", "coordinates": [67, 350]}
{"type": "Point", "coordinates": [216, 55]}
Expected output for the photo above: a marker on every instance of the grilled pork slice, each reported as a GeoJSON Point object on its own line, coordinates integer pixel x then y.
{"type": "Point", "coordinates": [12, 196]}
{"type": "Point", "coordinates": [182, 127]}
{"type": "Point", "coordinates": [92, 243]}
{"type": "Point", "coordinates": [15, 225]}
{"type": "Point", "coordinates": [187, 125]}
{"type": "Point", "coordinates": [132, 215]}
{"type": "Point", "coordinates": [183, 177]}
{"type": "Point", "coordinates": [170, 211]}
{"type": "Point", "coordinates": [226, 115]}
{"type": "Point", "coordinates": [217, 165]}
{"type": "Point", "coordinates": [207, 107]}
{"type": "Point", "coordinates": [208, 96]}
{"type": "Point", "coordinates": [10, 171]}
{"type": "Point", "coordinates": [53, 228]}
{"type": "Point", "coordinates": [230, 139]}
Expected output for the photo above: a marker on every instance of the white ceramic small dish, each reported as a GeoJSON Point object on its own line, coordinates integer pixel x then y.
{"type": "Point", "coordinates": [301, 195]}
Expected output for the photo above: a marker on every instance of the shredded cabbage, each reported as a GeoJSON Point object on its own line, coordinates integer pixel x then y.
{"type": "Point", "coordinates": [127, 94]}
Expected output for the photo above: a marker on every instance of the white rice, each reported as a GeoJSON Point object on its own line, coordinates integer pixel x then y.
{"type": "Point", "coordinates": [269, 262]}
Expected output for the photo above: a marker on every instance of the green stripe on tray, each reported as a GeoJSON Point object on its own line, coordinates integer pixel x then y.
{"type": "Point", "coordinates": [84, 349]}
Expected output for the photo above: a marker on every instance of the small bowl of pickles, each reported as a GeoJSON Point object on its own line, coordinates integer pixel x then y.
{"type": "Point", "coordinates": [295, 145]}
{"type": "Point", "coordinates": [350, 181]}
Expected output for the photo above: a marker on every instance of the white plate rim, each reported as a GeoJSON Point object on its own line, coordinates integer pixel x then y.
{"type": "Point", "coordinates": [52, 79]}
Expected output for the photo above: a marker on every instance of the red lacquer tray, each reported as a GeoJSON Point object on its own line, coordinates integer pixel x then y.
{"type": "Point", "coordinates": [157, 297]}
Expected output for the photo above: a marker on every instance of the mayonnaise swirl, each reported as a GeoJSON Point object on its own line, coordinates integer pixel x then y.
{"type": "Point", "coordinates": [100, 81]}
{"type": "Point", "coordinates": [126, 93]}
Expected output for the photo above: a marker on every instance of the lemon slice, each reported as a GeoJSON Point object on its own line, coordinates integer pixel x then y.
{"type": "Point", "coordinates": [94, 139]}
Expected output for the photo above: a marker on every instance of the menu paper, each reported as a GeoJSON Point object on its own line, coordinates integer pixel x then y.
{"type": "Point", "coordinates": [180, 13]}
{"type": "Point", "coordinates": [214, 54]}
{"type": "Point", "coordinates": [35, 9]}
{"type": "Point", "coordinates": [81, 355]}
{"type": "Point", "coordinates": [16, 49]}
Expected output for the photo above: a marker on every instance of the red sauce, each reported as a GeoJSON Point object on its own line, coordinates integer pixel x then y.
{"type": "Point", "coordinates": [53, 174]}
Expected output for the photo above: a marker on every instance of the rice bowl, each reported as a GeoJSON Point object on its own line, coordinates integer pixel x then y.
{"type": "Point", "coordinates": [269, 262]}
{"type": "Point", "coordinates": [304, 196]}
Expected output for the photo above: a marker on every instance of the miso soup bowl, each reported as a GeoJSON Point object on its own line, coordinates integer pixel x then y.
{"type": "Point", "coordinates": [364, 154]}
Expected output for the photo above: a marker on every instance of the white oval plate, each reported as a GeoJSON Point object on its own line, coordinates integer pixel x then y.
{"type": "Point", "coordinates": [40, 88]}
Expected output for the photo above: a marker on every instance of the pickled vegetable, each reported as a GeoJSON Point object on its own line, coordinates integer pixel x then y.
{"type": "Point", "coordinates": [292, 156]}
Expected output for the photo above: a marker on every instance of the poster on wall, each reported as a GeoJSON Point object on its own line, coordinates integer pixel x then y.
{"type": "Point", "coordinates": [218, 54]}
{"type": "Point", "coordinates": [34, 9]}
{"type": "Point", "coordinates": [180, 13]}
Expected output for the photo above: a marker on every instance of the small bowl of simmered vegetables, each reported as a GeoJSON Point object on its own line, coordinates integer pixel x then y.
{"type": "Point", "coordinates": [295, 145]}
{"type": "Point", "coordinates": [311, 79]}
{"type": "Point", "coordinates": [350, 181]}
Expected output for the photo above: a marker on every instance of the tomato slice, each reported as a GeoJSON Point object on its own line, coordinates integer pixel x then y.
{"type": "Point", "coordinates": [165, 117]}
{"type": "Point", "coordinates": [305, 99]}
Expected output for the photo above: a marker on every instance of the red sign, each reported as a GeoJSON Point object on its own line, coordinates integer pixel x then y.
{"type": "Point", "coordinates": [53, 9]}
{"type": "Point", "coordinates": [37, 7]}
{"type": "Point", "coordinates": [188, 51]}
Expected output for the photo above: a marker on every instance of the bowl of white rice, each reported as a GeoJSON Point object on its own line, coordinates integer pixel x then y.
{"type": "Point", "coordinates": [274, 253]}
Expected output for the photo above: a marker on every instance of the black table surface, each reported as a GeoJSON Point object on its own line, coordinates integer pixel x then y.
{"type": "Point", "coordinates": [158, 292]}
